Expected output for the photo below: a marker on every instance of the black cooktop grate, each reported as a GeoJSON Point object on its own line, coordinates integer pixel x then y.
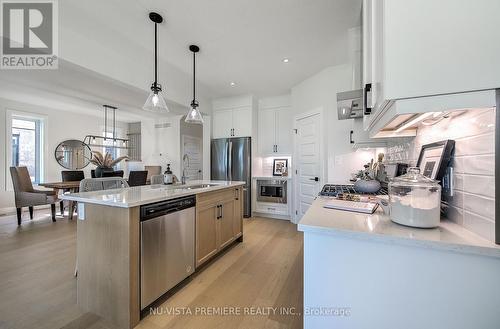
{"type": "Point", "coordinates": [333, 190]}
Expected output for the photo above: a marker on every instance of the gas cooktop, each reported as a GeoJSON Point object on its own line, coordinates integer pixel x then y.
{"type": "Point", "coordinates": [334, 190]}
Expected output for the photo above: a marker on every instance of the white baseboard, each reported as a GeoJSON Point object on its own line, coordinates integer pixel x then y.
{"type": "Point", "coordinates": [266, 215]}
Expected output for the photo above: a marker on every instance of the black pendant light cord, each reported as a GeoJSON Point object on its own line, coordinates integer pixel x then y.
{"type": "Point", "coordinates": [194, 77]}
{"type": "Point", "coordinates": [156, 55]}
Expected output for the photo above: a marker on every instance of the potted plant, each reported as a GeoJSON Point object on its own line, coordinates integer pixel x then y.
{"type": "Point", "coordinates": [104, 163]}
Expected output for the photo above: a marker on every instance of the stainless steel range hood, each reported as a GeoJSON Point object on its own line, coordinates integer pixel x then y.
{"type": "Point", "coordinates": [350, 104]}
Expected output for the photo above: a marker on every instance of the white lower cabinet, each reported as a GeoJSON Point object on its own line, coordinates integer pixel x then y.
{"type": "Point", "coordinates": [272, 208]}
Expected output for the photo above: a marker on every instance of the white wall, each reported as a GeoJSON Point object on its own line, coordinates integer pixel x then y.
{"type": "Point", "coordinates": [161, 146]}
{"type": "Point", "coordinates": [60, 125]}
{"type": "Point", "coordinates": [319, 91]}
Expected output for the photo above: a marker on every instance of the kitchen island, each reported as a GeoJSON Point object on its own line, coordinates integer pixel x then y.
{"type": "Point", "coordinates": [364, 271]}
{"type": "Point", "coordinates": [109, 239]}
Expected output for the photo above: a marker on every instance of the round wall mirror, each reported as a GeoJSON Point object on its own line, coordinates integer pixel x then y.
{"type": "Point", "coordinates": [73, 154]}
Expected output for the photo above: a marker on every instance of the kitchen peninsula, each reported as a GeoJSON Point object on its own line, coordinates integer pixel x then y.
{"type": "Point", "coordinates": [373, 273]}
{"type": "Point", "coordinates": [115, 257]}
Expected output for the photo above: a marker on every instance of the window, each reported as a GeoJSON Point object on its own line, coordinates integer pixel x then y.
{"type": "Point", "coordinates": [109, 147]}
{"type": "Point", "coordinates": [27, 149]}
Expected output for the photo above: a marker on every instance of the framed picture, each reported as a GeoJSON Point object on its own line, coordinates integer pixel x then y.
{"type": "Point", "coordinates": [280, 166]}
{"type": "Point", "coordinates": [434, 159]}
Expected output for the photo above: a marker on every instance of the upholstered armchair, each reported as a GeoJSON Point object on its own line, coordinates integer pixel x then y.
{"type": "Point", "coordinates": [27, 196]}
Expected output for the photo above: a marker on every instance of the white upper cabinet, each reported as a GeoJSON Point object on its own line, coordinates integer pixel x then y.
{"type": "Point", "coordinates": [267, 126]}
{"type": "Point", "coordinates": [275, 126]}
{"type": "Point", "coordinates": [284, 128]}
{"type": "Point", "coordinates": [223, 123]}
{"type": "Point", "coordinates": [427, 47]}
{"type": "Point", "coordinates": [242, 122]}
{"type": "Point", "coordinates": [232, 117]}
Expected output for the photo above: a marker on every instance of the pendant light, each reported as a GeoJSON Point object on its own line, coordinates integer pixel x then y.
{"type": "Point", "coordinates": [155, 101]}
{"type": "Point", "coordinates": [194, 115]}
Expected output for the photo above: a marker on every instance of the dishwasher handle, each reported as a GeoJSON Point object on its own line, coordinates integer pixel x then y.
{"type": "Point", "coordinates": [161, 208]}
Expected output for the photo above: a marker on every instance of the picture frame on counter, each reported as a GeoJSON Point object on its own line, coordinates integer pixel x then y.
{"type": "Point", "coordinates": [434, 159]}
{"type": "Point", "coordinates": [280, 167]}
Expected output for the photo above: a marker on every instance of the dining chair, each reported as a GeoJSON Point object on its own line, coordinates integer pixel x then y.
{"type": "Point", "coordinates": [137, 178]}
{"type": "Point", "coordinates": [27, 196]}
{"type": "Point", "coordinates": [152, 171]}
{"type": "Point", "coordinates": [116, 173]}
{"type": "Point", "coordinates": [104, 183]}
{"type": "Point", "coordinates": [70, 176]}
{"type": "Point", "coordinates": [156, 179]}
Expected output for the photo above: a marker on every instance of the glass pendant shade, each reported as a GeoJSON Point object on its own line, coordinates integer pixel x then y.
{"type": "Point", "coordinates": [194, 116]}
{"type": "Point", "coordinates": [155, 103]}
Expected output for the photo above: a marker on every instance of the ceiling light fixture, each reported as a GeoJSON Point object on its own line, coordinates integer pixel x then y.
{"type": "Point", "coordinates": [194, 115]}
{"type": "Point", "coordinates": [106, 140]}
{"type": "Point", "coordinates": [233, 84]}
{"type": "Point", "coordinates": [155, 101]}
{"type": "Point", "coordinates": [285, 60]}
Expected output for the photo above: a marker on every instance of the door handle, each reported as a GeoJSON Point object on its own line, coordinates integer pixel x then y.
{"type": "Point", "coordinates": [230, 161]}
{"type": "Point", "coordinates": [350, 137]}
{"type": "Point", "coordinates": [316, 179]}
{"type": "Point", "coordinates": [368, 88]}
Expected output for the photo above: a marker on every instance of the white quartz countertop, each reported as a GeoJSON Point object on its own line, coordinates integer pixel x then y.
{"type": "Point", "coordinates": [378, 227]}
{"type": "Point", "coordinates": [139, 195]}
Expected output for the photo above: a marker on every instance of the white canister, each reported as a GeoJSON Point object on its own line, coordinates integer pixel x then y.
{"type": "Point", "coordinates": [414, 200]}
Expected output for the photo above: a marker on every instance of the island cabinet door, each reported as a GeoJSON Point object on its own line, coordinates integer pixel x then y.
{"type": "Point", "coordinates": [238, 213]}
{"type": "Point", "coordinates": [206, 232]}
{"type": "Point", "coordinates": [226, 222]}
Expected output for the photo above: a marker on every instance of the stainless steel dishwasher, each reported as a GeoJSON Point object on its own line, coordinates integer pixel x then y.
{"type": "Point", "coordinates": [167, 246]}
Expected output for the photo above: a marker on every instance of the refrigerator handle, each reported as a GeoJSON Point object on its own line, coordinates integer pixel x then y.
{"type": "Point", "coordinates": [230, 161]}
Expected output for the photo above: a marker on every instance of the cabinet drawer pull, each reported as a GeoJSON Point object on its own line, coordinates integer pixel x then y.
{"type": "Point", "coordinates": [219, 211]}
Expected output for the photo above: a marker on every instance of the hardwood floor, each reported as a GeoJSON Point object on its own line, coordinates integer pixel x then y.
{"type": "Point", "coordinates": [251, 285]}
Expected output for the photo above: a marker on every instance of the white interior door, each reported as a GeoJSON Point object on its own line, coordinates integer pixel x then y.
{"type": "Point", "coordinates": [309, 162]}
{"type": "Point", "coordinates": [192, 146]}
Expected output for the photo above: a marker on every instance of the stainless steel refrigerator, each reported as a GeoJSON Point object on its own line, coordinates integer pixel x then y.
{"type": "Point", "coordinates": [232, 160]}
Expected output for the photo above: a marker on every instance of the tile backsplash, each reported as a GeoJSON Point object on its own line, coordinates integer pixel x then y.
{"type": "Point", "coordinates": [473, 202]}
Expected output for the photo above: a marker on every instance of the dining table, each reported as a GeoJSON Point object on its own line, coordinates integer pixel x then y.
{"type": "Point", "coordinates": [70, 186]}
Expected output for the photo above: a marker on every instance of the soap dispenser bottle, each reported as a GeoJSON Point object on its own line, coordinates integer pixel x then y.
{"type": "Point", "coordinates": [168, 177]}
